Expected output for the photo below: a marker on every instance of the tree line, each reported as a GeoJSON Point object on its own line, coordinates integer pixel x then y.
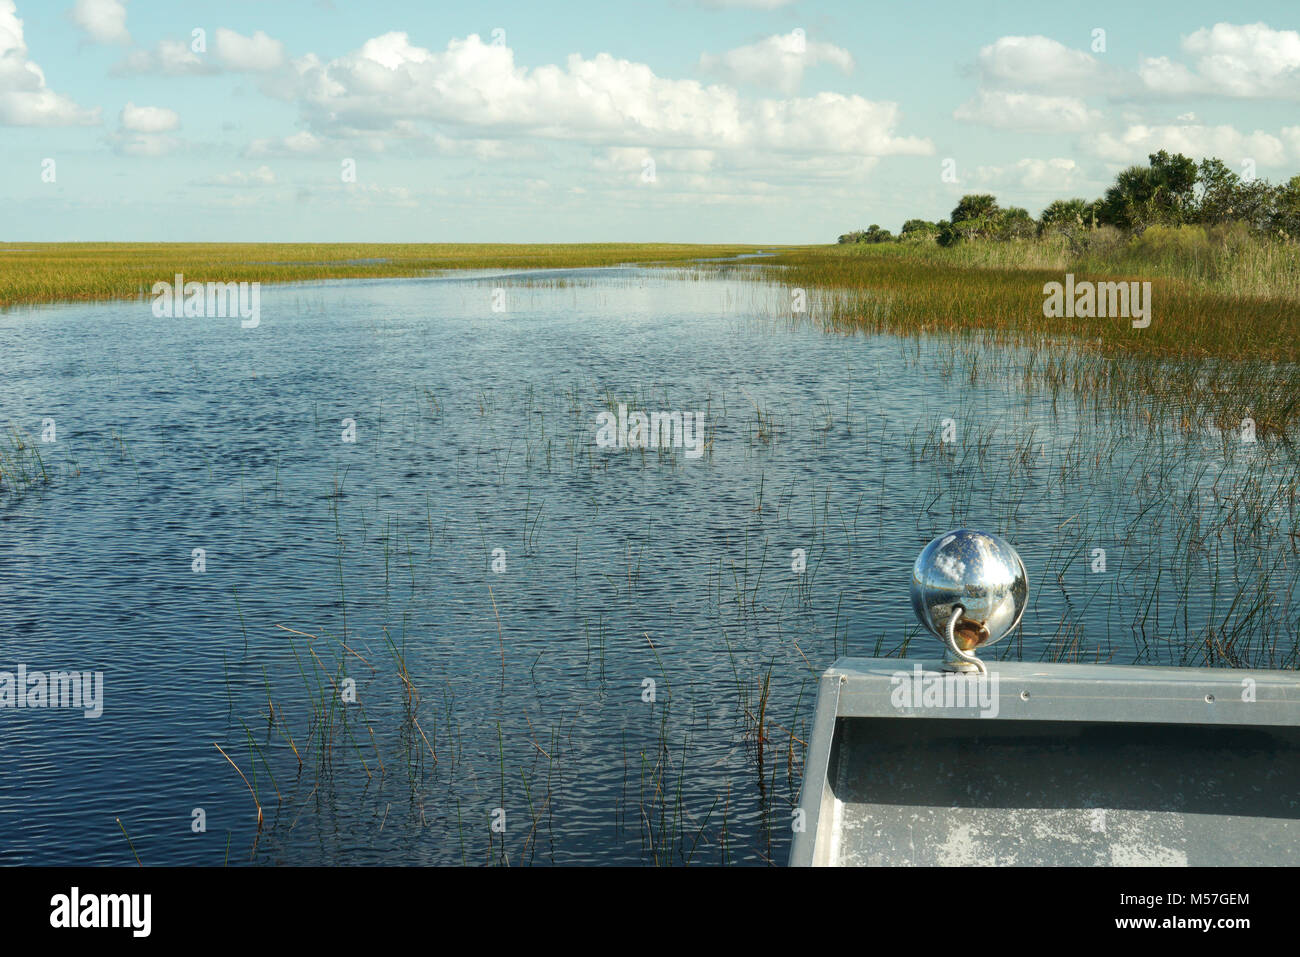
{"type": "Point", "coordinates": [1172, 190]}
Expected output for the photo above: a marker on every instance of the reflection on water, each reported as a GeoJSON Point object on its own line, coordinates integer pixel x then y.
{"type": "Point", "coordinates": [577, 644]}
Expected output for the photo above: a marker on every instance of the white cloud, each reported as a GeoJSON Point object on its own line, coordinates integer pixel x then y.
{"type": "Point", "coordinates": [25, 100]}
{"type": "Point", "coordinates": [361, 196]}
{"type": "Point", "coordinates": [143, 144]}
{"type": "Point", "coordinates": [170, 58]}
{"type": "Point", "coordinates": [486, 149]}
{"type": "Point", "coordinates": [231, 52]}
{"type": "Point", "coordinates": [804, 170]}
{"type": "Point", "coordinates": [1036, 84]}
{"type": "Point", "coordinates": [148, 119]}
{"type": "Point", "coordinates": [1248, 60]}
{"type": "Point", "coordinates": [777, 61]}
{"type": "Point", "coordinates": [602, 101]}
{"type": "Point", "coordinates": [1291, 134]}
{"type": "Point", "coordinates": [104, 21]}
{"type": "Point", "coordinates": [256, 54]}
{"type": "Point", "coordinates": [1039, 63]}
{"type": "Point", "coordinates": [262, 176]}
{"type": "Point", "coordinates": [1163, 75]}
{"type": "Point", "coordinates": [723, 177]}
{"type": "Point", "coordinates": [297, 144]}
{"type": "Point", "coordinates": [1195, 141]}
{"type": "Point", "coordinates": [1035, 175]}
{"type": "Point", "coordinates": [1028, 111]}
{"type": "Point", "coordinates": [631, 159]}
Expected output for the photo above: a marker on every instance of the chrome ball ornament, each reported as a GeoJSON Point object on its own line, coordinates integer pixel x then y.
{"type": "Point", "coordinates": [969, 589]}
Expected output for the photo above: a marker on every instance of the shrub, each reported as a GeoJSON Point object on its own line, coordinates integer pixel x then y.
{"type": "Point", "coordinates": [919, 231]}
{"type": "Point", "coordinates": [1159, 242]}
{"type": "Point", "coordinates": [872, 234]}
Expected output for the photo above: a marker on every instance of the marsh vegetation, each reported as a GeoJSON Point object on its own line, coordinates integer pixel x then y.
{"type": "Point", "coordinates": [474, 608]}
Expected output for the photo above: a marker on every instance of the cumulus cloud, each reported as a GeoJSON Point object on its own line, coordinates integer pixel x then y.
{"type": "Point", "coordinates": [1194, 140]}
{"type": "Point", "coordinates": [1239, 60]}
{"type": "Point", "coordinates": [169, 58]}
{"type": "Point", "coordinates": [1291, 136]}
{"type": "Point", "coordinates": [1031, 112]}
{"type": "Point", "coordinates": [777, 62]}
{"type": "Point", "coordinates": [25, 100]}
{"type": "Point", "coordinates": [601, 101]}
{"type": "Point", "coordinates": [104, 21]}
{"type": "Point", "coordinates": [148, 119]}
{"type": "Point", "coordinates": [142, 131]}
{"type": "Point", "coordinates": [1162, 75]}
{"type": "Point", "coordinates": [1039, 63]}
{"type": "Point", "coordinates": [231, 53]}
{"type": "Point", "coordinates": [256, 54]}
{"type": "Point", "coordinates": [1036, 84]}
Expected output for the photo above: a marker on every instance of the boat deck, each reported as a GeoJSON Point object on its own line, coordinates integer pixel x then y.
{"type": "Point", "coordinates": [1052, 765]}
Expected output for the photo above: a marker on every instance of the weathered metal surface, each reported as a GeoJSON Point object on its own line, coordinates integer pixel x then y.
{"type": "Point", "coordinates": [1051, 765]}
{"type": "Point", "coordinates": [816, 812]}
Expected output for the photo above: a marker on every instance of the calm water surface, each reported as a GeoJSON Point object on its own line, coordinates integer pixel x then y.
{"type": "Point", "coordinates": [512, 686]}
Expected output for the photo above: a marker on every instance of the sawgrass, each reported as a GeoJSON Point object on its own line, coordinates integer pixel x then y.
{"type": "Point", "coordinates": [78, 272]}
{"type": "Point", "coordinates": [928, 289]}
{"type": "Point", "coordinates": [1208, 355]}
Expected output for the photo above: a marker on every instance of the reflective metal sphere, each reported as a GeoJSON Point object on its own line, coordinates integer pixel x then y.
{"type": "Point", "coordinates": [980, 572]}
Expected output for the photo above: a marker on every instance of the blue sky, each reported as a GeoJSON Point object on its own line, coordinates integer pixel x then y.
{"type": "Point", "coordinates": [726, 121]}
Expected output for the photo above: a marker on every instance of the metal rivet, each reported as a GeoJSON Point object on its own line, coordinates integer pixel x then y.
{"type": "Point", "coordinates": [1209, 699]}
{"type": "Point", "coordinates": [1024, 696]}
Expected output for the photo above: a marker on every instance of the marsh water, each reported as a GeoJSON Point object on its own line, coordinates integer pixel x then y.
{"type": "Point", "coordinates": [433, 621]}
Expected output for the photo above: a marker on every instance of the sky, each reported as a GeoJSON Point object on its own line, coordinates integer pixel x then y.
{"type": "Point", "coordinates": [747, 121]}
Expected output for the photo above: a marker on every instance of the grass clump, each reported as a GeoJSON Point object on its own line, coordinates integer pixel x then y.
{"type": "Point", "coordinates": [21, 467]}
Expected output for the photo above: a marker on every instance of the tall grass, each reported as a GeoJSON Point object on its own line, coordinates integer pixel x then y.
{"type": "Point", "coordinates": [21, 466]}
{"type": "Point", "coordinates": [1208, 351]}
{"type": "Point", "coordinates": [1228, 260]}
{"type": "Point", "coordinates": [61, 272]}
